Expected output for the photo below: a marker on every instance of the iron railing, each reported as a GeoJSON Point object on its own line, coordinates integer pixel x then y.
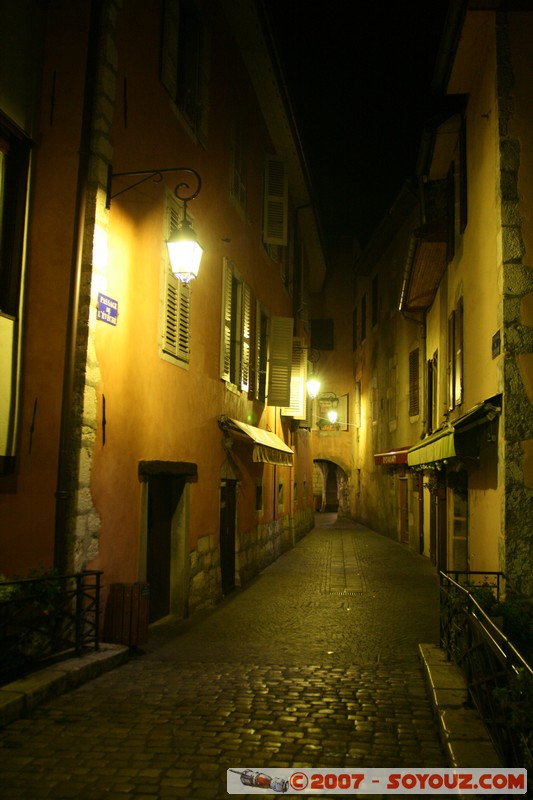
{"type": "Point", "coordinates": [47, 618]}
{"type": "Point", "coordinates": [498, 678]}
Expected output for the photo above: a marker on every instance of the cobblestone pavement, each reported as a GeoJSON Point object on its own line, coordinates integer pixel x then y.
{"type": "Point", "coordinates": [315, 663]}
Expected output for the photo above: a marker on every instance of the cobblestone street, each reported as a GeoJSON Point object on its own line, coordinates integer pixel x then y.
{"type": "Point", "coordinates": [315, 663]}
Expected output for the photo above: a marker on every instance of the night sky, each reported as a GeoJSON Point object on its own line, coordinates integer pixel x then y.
{"type": "Point", "coordinates": [359, 76]}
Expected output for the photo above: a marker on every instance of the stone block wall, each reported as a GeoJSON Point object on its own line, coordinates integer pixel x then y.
{"type": "Point", "coordinates": [205, 588]}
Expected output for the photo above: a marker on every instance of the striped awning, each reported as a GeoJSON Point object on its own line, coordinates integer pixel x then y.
{"type": "Point", "coordinates": [268, 448]}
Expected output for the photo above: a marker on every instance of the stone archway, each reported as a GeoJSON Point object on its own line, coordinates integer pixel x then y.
{"type": "Point", "coordinates": [330, 487]}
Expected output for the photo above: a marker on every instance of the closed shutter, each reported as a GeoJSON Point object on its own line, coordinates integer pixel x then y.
{"type": "Point", "coordinates": [275, 217]}
{"type": "Point", "coordinates": [177, 314]}
{"type": "Point", "coordinates": [297, 407]}
{"type": "Point", "coordinates": [176, 323]}
{"type": "Point", "coordinates": [280, 361]}
{"type": "Point", "coordinates": [414, 383]}
{"type": "Point", "coordinates": [459, 352]}
{"type": "Point", "coordinates": [451, 361]}
{"type": "Point", "coordinates": [225, 336]}
{"type": "Point", "coordinates": [246, 335]}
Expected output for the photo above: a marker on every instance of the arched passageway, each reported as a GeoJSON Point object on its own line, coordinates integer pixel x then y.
{"type": "Point", "coordinates": [330, 487]}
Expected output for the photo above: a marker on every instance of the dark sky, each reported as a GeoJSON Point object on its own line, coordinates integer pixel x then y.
{"type": "Point", "coordinates": [359, 76]}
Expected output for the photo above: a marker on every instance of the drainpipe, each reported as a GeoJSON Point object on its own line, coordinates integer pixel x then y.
{"type": "Point", "coordinates": [67, 464]}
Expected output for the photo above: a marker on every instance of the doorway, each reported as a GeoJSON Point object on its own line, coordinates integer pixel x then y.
{"type": "Point", "coordinates": [164, 494]}
{"type": "Point", "coordinates": [228, 524]}
{"type": "Point", "coordinates": [404, 510]}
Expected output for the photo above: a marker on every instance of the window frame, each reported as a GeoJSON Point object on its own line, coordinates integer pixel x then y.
{"type": "Point", "coordinates": [236, 330]}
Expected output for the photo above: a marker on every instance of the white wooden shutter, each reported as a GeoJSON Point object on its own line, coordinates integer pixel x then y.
{"type": "Point", "coordinates": [176, 323]}
{"type": "Point", "coordinates": [177, 316]}
{"type": "Point", "coordinates": [225, 335]}
{"type": "Point", "coordinates": [297, 406]}
{"type": "Point", "coordinates": [280, 361]}
{"type": "Point", "coordinates": [275, 212]}
{"type": "Point", "coordinates": [246, 334]}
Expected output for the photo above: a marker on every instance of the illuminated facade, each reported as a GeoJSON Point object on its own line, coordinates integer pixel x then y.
{"type": "Point", "coordinates": [445, 448]}
{"type": "Point", "coordinates": [123, 386]}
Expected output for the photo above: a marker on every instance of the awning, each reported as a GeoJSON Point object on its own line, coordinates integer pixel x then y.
{"type": "Point", "coordinates": [398, 456]}
{"type": "Point", "coordinates": [268, 448]}
{"type": "Point", "coordinates": [452, 440]}
{"type": "Point", "coordinates": [437, 447]}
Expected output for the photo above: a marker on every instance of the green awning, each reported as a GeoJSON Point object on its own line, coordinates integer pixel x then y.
{"type": "Point", "coordinates": [437, 447]}
{"type": "Point", "coordinates": [455, 440]}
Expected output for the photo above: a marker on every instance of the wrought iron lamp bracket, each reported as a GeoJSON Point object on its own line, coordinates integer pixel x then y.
{"type": "Point", "coordinates": [157, 176]}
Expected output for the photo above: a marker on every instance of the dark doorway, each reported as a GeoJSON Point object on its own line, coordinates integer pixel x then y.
{"type": "Point", "coordinates": [404, 511]}
{"type": "Point", "coordinates": [164, 492]}
{"type": "Point", "coordinates": [228, 509]}
{"type": "Point", "coordinates": [332, 489]}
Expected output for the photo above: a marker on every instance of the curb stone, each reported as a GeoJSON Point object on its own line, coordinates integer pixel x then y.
{"type": "Point", "coordinates": [21, 697]}
{"type": "Point", "coordinates": [463, 733]}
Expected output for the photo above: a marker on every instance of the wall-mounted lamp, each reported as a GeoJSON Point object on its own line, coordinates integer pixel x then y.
{"type": "Point", "coordinates": [313, 387]}
{"type": "Point", "coordinates": [184, 250]}
{"type": "Point", "coordinates": [313, 384]}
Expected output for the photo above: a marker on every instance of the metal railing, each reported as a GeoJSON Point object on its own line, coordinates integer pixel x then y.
{"type": "Point", "coordinates": [495, 581]}
{"type": "Point", "coordinates": [499, 680]}
{"type": "Point", "coordinates": [47, 618]}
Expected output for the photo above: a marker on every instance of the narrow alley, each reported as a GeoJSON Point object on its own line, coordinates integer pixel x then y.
{"type": "Point", "coordinates": [315, 663]}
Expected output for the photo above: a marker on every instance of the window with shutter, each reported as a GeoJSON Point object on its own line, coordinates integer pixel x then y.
{"type": "Point", "coordinates": [236, 328]}
{"type": "Point", "coordinates": [297, 407]}
{"type": "Point", "coordinates": [176, 305]}
{"type": "Point", "coordinates": [451, 361]}
{"type": "Point", "coordinates": [185, 63]}
{"type": "Point", "coordinates": [238, 158]}
{"type": "Point", "coordinates": [414, 383]}
{"type": "Point", "coordinates": [459, 352]}
{"type": "Point", "coordinates": [275, 212]}
{"type": "Point", "coordinates": [280, 361]}
{"type": "Point", "coordinates": [14, 162]}
{"type": "Point", "coordinates": [261, 353]}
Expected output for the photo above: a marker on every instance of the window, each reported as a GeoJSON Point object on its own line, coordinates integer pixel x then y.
{"type": "Point", "coordinates": [238, 158]}
{"type": "Point", "coordinates": [261, 353]}
{"type": "Point", "coordinates": [275, 210]}
{"type": "Point", "coordinates": [375, 300]}
{"type": "Point", "coordinates": [259, 497]}
{"type": "Point", "coordinates": [297, 407]}
{"type": "Point", "coordinates": [357, 415]}
{"type": "Point", "coordinates": [280, 361]}
{"type": "Point", "coordinates": [458, 555]}
{"type": "Point", "coordinates": [414, 383]}
{"type": "Point", "coordinates": [375, 400]}
{"type": "Point", "coordinates": [392, 392]}
{"type": "Point", "coordinates": [14, 160]}
{"type": "Point", "coordinates": [433, 394]}
{"type": "Point", "coordinates": [236, 329]}
{"type": "Point", "coordinates": [455, 356]}
{"type": "Point", "coordinates": [322, 334]}
{"type": "Point", "coordinates": [176, 306]}
{"type": "Point", "coordinates": [185, 63]}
